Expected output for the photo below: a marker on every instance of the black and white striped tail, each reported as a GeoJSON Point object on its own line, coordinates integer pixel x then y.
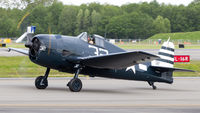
{"type": "Point", "coordinates": [166, 54]}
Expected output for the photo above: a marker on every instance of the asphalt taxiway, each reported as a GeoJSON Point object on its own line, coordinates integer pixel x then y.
{"type": "Point", "coordinates": [4, 52]}
{"type": "Point", "coordinates": [100, 95]}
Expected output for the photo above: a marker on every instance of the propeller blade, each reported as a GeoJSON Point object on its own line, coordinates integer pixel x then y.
{"type": "Point", "coordinates": [21, 37]}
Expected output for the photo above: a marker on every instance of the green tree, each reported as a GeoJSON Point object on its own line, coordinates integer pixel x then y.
{"type": "Point", "coordinates": [86, 20]}
{"type": "Point", "coordinates": [135, 25]}
{"type": "Point", "coordinates": [67, 20]}
{"type": "Point", "coordinates": [136, 20]}
{"type": "Point", "coordinates": [54, 13]}
{"type": "Point", "coordinates": [193, 15]}
{"type": "Point", "coordinates": [40, 15]}
{"type": "Point", "coordinates": [95, 20]}
{"type": "Point", "coordinates": [8, 27]}
{"type": "Point", "coordinates": [79, 22]}
{"type": "Point", "coordinates": [161, 25]}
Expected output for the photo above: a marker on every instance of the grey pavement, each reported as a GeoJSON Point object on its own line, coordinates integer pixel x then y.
{"type": "Point", "coordinates": [4, 52]}
{"type": "Point", "coordinates": [100, 95]}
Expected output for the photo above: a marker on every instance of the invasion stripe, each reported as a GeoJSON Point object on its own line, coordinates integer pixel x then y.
{"type": "Point", "coordinates": [167, 48]}
{"type": "Point", "coordinates": [166, 51]}
{"type": "Point", "coordinates": [164, 60]}
{"type": "Point", "coordinates": [166, 54]}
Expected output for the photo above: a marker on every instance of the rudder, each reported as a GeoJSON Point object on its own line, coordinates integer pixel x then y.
{"type": "Point", "coordinates": [166, 54]}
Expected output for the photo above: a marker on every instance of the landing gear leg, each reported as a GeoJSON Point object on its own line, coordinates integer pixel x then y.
{"type": "Point", "coordinates": [152, 84]}
{"type": "Point", "coordinates": [41, 82]}
{"type": "Point", "coordinates": [75, 84]}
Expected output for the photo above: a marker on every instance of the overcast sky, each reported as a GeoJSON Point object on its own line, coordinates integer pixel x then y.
{"type": "Point", "coordinates": [120, 2]}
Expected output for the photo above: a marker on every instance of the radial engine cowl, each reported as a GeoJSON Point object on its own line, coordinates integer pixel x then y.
{"type": "Point", "coordinates": [34, 47]}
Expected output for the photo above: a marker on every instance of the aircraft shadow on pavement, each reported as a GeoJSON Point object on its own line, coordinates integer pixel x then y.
{"type": "Point", "coordinates": [90, 90]}
{"type": "Point", "coordinates": [107, 91]}
{"type": "Point", "coordinates": [86, 90]}
{"type": "Point", "coordinates": [163, 89]}
{"type": "Point", "coordinates": [130, 90]}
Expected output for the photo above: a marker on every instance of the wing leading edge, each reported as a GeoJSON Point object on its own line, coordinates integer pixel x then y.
{"type": "Point", "coordinates": [117, 60]}
{"type": "Point", "coordinates": [19, 50]}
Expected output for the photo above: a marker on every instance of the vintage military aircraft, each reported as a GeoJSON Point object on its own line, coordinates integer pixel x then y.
{"type": "Point", "coordinates": [94, 56]}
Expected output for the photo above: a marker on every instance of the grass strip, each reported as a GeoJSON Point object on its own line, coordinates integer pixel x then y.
{"type": "Point", "coordinates": [21, 66]}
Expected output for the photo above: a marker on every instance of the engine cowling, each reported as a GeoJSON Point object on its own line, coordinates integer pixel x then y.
{"type": "Point", "coordinates": [34, 47]}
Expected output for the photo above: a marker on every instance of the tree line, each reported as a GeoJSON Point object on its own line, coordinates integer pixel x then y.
{"type": "Point", "coordinates": [134, 20]}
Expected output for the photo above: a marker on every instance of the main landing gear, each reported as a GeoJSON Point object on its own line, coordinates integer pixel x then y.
{"type": "Point", "coordinates": [41, 82]}
{"type": "Point", "coordinates": [75, 84]}
{"type": "Point", "coordinates": [152, 84]}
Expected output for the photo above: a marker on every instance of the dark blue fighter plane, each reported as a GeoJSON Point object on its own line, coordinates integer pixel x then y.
{"type": "Point", "coordinates": [94, 56]}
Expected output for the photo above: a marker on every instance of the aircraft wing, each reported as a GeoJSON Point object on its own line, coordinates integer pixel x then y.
{"type": "Point", "coordinates": [117, 60]}
{"type": "Point", "coordinates": [164, 69]}
{"type": "Point", "coordinates": [18, 50]}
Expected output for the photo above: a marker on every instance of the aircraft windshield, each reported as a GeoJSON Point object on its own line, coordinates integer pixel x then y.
{"type": "Point", "coordinates": [92, 39]}
{"type": "Point", "coordinates": [83, 36]}
{"type": "Point", "coordinates": [99, 40]}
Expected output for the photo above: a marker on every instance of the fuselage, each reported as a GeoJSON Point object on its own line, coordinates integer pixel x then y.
{"type": "Point", "coordinates": [58, 52]}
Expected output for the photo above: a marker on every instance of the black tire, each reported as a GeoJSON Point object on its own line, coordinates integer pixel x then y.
{"type": "Point", "coordinates": [154, 87]}
{"type": "Point", "coordinates": [41, 82]}
{"type": "Point", "coordinates": [75, 85]}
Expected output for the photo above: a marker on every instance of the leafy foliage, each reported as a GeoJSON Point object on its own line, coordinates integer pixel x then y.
{"type": "Point", "coordinates": [133, 21]}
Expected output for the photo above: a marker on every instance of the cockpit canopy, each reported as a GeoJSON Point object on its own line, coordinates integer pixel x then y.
{"type": "Point", "coordinates": [92, 39]}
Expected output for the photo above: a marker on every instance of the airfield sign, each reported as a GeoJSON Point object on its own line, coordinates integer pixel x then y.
{"type": "Point", "coordinates": [181, 58]}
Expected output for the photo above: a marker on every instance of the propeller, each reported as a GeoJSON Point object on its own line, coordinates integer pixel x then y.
{"type": "Point", "coordinates": [35, 47]}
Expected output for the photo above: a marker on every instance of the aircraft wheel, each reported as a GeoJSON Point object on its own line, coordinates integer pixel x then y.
{"type": "Point", "coordinates": [75, 85]}
{"type": "Point", "coordinates": [41, 82]}
{"type": "Point", "coordinates": [154, 87]}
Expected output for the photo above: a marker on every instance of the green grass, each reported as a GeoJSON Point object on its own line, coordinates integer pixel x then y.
{"type": "Point", "coordinates": [177, 36]}
{"type": "Point", "coordinates": [15, 45]}
{"type": "Point", "coordinates": [148, 46]}
{"type": "Point", "coordinates": [190, 39]}
{"type": "Point", "coordinates": [137, 46]}
{"type": "Point", "coordinates": [21, 66]}
{"type": "Point", "coordinates": [192, 65]}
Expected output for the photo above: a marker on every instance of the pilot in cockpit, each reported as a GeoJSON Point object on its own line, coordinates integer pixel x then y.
{"type": "Point", "coordinates": [91, 39]}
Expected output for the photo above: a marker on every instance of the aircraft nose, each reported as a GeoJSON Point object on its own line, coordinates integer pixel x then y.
{"type": "Point", "coordinates": [34, 47]}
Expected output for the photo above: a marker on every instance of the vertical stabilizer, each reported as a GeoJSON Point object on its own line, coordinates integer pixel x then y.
{"type": "Point", "coordinates": [166, 54]}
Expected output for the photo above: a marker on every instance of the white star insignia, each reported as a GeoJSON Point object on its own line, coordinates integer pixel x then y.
{"type": "Point", "coordinates": [132, 68]}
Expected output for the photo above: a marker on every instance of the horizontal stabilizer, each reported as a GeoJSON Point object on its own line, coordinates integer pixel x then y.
{"type": "Point", "coordinates": [165, 69]}
{"type": "Point", "coordinates": [18, 50]}
{"type": "Point", "coordinates": [117, 60]}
